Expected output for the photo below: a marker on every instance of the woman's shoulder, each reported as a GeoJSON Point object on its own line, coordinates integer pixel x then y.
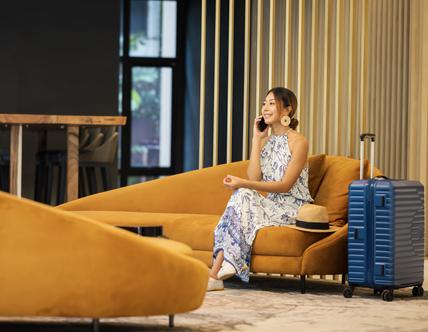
{"type": "Point", "coordinates": [294, 136]}
{"type": "Point", "coordinates": [297, 140]}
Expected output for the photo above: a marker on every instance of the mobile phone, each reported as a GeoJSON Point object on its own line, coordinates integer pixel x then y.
{"type": "Point", "coordinates": [262, 125]}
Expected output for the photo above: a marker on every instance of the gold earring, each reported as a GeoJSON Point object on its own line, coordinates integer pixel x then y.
{"type": "Point", "coordinates": [285, 120]}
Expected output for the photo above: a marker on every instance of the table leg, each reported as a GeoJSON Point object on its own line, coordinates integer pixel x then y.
{"type": "Point", "coordinates": [15, 160]}
{"type": "Point", "coordinates": [72, 162]}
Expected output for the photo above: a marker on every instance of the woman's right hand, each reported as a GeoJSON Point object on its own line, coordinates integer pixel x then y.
{"type": "Point", "coordinates": [256, 132]}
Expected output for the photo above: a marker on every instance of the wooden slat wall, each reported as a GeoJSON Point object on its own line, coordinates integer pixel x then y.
{"type": "Point", "coordinates": [347, 62]}
{"type": "Point", "coordinates": [417, 161]}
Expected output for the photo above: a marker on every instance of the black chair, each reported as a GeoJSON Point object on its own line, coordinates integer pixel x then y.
{"type": "Point", "coordinates": [51, 167]}
{"type": "Point", "coordinates": [95, 164]}
{"type": "Point", "coordinates": [4, 170]}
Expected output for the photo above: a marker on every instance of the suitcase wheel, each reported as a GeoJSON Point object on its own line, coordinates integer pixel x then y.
{"type": "Point", "coordinates": [377, 292]}
{"type": "Point", "coordinates": [418, 291]}
{"type": "Point", "coordinates": [387, 295]}
{"type": "Point", "coordinates": [347, 292]}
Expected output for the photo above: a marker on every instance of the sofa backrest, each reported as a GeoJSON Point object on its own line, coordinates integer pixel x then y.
{"type": "Point", "coordinates": [334, 175]}
{"type": "Point", "coordinates": [203, 192]}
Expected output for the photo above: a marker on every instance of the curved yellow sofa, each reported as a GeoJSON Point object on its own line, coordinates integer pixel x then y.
{"type": "Point", "coordinates": [189, 206]}
{"type": "Point", "coordinates": [56, 263]}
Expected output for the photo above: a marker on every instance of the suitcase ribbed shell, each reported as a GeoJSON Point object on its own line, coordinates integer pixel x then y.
{"type": "Point", "coordinates": [386, 233]}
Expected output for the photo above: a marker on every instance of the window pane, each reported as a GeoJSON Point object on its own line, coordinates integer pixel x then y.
{"type": "Point", "coordinates": [153, 28]}
{"type": "Point", "coordinates": [151, 116]}
{"type": "Point", "coordinates": [139, 179]}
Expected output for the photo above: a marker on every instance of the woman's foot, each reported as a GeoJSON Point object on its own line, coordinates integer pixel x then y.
{"type": "Point", "coordinates": [227, 271]}
{"type": "Point", "coordinates": [214, 284]}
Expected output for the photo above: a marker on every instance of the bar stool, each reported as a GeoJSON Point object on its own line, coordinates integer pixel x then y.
{"type": "Point", "coordinates": [95, 163]}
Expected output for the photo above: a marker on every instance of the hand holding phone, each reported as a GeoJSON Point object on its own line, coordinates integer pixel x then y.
{"type": "Point", "coordinates": [262, 125]}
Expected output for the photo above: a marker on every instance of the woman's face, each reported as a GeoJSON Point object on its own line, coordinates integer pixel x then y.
{"type": "Point", "coordinates": [270, 110]}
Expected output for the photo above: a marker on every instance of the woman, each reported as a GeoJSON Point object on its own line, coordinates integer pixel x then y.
{"type": "Point", "coordinates": [277, 166]}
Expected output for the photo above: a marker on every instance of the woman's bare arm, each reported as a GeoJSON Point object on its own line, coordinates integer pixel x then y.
{"type": "Point", "coordinates": [295, 167]}
{"type": "Point", "coordinates": [254, 171]}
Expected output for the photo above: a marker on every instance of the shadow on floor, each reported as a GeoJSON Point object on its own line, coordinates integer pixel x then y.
{"type": "Point", "coordinates": [313, 286]}
{"type": "Point", "coordinates": [81, 327]}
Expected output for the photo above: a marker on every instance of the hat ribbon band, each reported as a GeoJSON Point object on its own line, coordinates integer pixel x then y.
{"type": "Point", "coordinates": [312, 225]}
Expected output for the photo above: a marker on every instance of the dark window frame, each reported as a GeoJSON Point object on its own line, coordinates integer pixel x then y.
{"type": "Point", "coordinates": [177, 65]}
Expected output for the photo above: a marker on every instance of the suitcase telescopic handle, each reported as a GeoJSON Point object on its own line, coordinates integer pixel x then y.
{"type": "Point", "coordinates": [372, 138]}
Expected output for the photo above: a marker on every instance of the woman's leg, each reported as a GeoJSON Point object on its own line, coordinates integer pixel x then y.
{"type": "Point", "coordinates": [231, 231]}
{"type": "Point", "coordinates": [217, 264]}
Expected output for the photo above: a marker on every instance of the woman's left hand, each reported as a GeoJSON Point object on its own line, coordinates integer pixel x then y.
{"type": "Point", "coordinates": [233, 182]}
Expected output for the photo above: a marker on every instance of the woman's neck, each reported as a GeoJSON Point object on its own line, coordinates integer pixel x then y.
{"type": "Point", "coordinates": [279, 129]}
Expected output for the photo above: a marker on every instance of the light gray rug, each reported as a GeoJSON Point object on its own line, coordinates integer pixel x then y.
{"type": "Point", "coordinates": [267, 304]}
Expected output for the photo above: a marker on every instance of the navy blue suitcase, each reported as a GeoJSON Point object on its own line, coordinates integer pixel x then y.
{"type": "Point", "coordinates": [385, 233]}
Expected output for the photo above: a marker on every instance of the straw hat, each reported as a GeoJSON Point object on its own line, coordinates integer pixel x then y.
{"type": "Point", "coordinates": [313, 218]}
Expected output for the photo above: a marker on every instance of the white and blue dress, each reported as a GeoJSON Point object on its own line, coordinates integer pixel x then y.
{"type": "Point", "coordinates": [248, 211]}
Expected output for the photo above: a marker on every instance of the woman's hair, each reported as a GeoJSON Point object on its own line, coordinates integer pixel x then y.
{"type": "Point", "coordinates": [285, 98]}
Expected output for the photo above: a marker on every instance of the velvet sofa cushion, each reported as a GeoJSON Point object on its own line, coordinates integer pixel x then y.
{"type": "Point", "coordinates": [317, 169]}
{"type": "Point", "coordinates": [333, 191]}
{"type": "Point", "coordinates": [196, 230]}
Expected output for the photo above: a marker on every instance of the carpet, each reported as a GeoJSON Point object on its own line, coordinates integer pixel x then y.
{"type": "Point", "coordinates": [266, 304]}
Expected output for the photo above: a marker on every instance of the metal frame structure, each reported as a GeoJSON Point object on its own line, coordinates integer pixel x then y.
{"type": "Point", "coordinates": [177, 65]}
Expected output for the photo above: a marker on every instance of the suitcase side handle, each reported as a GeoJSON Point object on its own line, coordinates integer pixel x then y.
{"type": "Point", "coordinates": [381, 177]}
{"type": "Point", "coordinates": [372, 138]}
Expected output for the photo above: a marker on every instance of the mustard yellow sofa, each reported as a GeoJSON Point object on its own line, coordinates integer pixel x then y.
{"type": "Point", "coordinates": [56, 263]}
{"type": "Point", "coordinates": [189, 206]}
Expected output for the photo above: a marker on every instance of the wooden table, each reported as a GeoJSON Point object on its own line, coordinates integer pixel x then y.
{"type": "Point", "coordinates": [73, 123]}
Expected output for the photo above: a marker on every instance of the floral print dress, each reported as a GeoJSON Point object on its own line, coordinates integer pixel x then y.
{"type": "Point", "coordinates": [248, 211]}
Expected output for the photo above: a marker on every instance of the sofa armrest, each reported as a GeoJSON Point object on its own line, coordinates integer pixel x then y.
{"type": "Point", "coordinates": [62, 264]}
{"type": "Point", "coordinates": [201, 191]}
{"type": "Point", "coordinates": [327, 256]}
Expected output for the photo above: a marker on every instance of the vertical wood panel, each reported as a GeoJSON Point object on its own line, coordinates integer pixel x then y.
{"type": "Point", "coordinates": [287, 33]}
{"type": "Point", "coordinates": [382, 88]}
{"type": "Point", "coordinates": [313, 77]}
{"type": "Point", "coordinates": [272, 5]}
{"type": "Point", "coordinates": [350, 132]}
{"type": "Point", "coordinates": [399, 87]}
{"type": "Point", "coordinates": [325, 126]}
{"type": "Point", "coordinates": [230, 79]}
{"type": "Point", "coordinates": [372, 26]}
{"type": "Point", "coordinates": [15, 168]}
{"type": "Point", "coordinates": [378, 60]}
{"type": "Point", "coordinates": [389, 110]}
{"type": "Point", "coordinates": [364, 97]}
{"type": "Point", "coordinates": [397, 83]}
{"type": "Point", "coordinates": [72, 162]}
{"type": "Point", "coordinates": [246, 108]}
{"type": "Point", "coordinates": [405, 100]}
{"type": "Point", "coordinates": [259, 53]}
{"type": "Point", "coordinates": [216, 80]}
{"type": "Point", "coordinates": [202, 84]}
{"type": "Point", "coordinates": [335, 143]}
{"type": "Point", "coordinates": [300, 60]}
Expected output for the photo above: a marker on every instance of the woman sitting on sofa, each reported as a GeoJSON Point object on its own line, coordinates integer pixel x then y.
{"type": "Point", "coordinates": [277, 166]}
